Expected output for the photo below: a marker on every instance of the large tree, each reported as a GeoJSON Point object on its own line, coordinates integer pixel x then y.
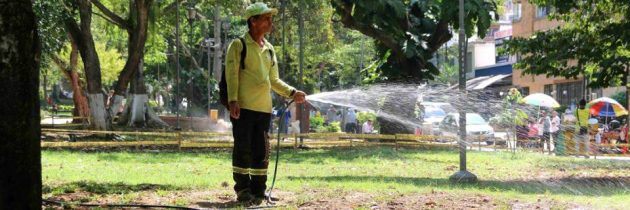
{"type": "Point", "coordinates": [136, 24]}
{"type": "Point", "coordinates": [81, 33]}
{"type": "Point", "coordinates": [20, 180]}
{"type": "Point", "coordinates": [594, 43]}
{"type": "Point", "coordinates": [53, 36]}
{"type": "Point", "coordinates": [413, 30]}
{"type": "Point", "coordinates": [69, 70]}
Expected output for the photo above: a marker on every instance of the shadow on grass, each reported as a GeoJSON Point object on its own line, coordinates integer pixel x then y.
{"type": "Point", "coordinates": [570, 163]}
{"type": "Point", "coordinates": [587, 186]}
{"type": "Point", "coordinates": [350, 154]}
{"type": "Point", "coordinates": [296, 156]}
{"type": "Point", "coordinates": [104, 188]}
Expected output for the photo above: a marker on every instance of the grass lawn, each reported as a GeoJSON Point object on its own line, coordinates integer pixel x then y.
{"type": "Point", "coordinates": [360, 177]}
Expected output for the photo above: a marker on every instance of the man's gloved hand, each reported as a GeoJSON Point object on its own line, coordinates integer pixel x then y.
{"type": "Point", "coordinates": [299, 97]}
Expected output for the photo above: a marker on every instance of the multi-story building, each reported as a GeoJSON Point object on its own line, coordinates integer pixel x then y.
{"type": "Point", "coordinates": [487, 68]}
{"type": "Point", "coordinates": [566, 91]}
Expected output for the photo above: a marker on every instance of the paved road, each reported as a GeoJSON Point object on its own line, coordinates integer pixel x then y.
{"type": "Point", "coordinates": [56, 120]}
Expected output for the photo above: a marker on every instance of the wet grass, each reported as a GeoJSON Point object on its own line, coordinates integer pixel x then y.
{"type": "Point", "coordinates": [375, 170]}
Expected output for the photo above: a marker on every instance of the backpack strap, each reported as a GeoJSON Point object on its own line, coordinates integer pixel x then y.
{"type": "Point", "coordinates": [243, 52]}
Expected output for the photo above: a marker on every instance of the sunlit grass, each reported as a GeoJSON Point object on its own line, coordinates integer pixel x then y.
{"type": "Point", "coordinates": [377, 170]}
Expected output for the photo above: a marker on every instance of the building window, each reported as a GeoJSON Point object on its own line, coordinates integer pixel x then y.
{"type": "Point", "coordinates": [516, 11]}
{"type": "Point", "coordinates": [569, 93]}
{"type": "Point", "coordinates": [525, 91]}
{"type": "Point", "coordinates": [548, 90]}
{"type": "Point", "coordinates": [542, 11]}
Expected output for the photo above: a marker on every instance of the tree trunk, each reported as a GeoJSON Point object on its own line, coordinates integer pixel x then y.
{"type": "Point", "coordinates": [20, 158]}
{"type": "Point", "coordinates": [81, 108]}
{"type": "Point", "coordinates": [136, 26]}
{"type": "Point", "coordinates": [398, 105]}
{"type": "Point", "coordinates": [85, 43]}
{"type": "Point", "coordinates": [98, 118]}
{"type": "Point", "coordinates": [137, 38]}
{"type": "Point", "coordinates": [137, 112]}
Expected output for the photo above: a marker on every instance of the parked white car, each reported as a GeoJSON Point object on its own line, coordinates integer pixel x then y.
{"type": "Point", "coordinates": [477, 129]}
{"type": "Point", "coordinates": [433, 113]}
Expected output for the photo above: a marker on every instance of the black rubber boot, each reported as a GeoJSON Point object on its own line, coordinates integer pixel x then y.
{"type": "Point", "coordinates": [244, 196]}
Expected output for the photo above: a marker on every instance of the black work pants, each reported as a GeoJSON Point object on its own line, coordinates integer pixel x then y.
{"type": "Point", "coordinates": [250, 156]}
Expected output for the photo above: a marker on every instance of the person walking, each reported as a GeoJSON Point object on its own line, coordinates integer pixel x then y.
{"type": "Point", "coordinates": [582, 140]}
{"type": "Point", "coordinates": [331, 115]}
{"type": "Point", "coordinates": [351, 122]}
{"type": "Point", "coordinates": [555, 128]}
{"type": "Point", "coordinates": [546, 132]}
{"type": "Point", "coordinates": [249, 98]}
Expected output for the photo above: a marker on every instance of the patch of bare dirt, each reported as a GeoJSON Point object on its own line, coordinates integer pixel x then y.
{"type": "Point", "coordinates": [320, 199]}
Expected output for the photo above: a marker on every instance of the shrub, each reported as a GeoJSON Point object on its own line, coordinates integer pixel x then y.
{"type": "Point", "coordinates": [316, 122]}
{"type": "Point", "coordinates": [364, 116]}
{"type": "Point", "coordinates": [66, 108]}
{"type": "Point", "coordinates": [333, 127]}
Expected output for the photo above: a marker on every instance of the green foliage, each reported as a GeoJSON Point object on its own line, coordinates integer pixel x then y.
{"type": "Point", "coordinates": [621, 98]}
{"type": "Point", "coordinates": [332, 54]}
{"type": "Point", "coordinates": [364, 116]}
{"type": "Point", "coordinates": [153, 103]}
{"type": "Point", "coordinates": [594, 36]}
{"type": "Point", "coordinates": [111, 61]}
{"type": "Point", "coordinates": [510, 114]}
{"type": "Point", "coordinates": [374, 71]}
{"type": "Point", "coordinates": [448, 74]}
{"type": "Point", "coordinates": [50, 26]}
{"type": "Point", "coordinates": [316, 122]}
{"type": "Point", "coordinates": [333, 127]}
{"type": "Point", "coordinates": [65, 108]}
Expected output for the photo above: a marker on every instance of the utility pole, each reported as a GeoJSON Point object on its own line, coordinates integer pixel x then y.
{"type": "Point", "coordinates": [367, 74]}
{"type": "Point", "coordinates": [217, 43]}
{"type": "Point", "coordinates": [300, 107]}
{"type": "Point", "coordinates": [462, 176]}
{"type": "Point", "coordinates": [283, 8]}
{"type": "Point", "coordinates": [209, 44]}
{"type": "Point", "coordinates": [191, 80]}
{"type": "Point", "coordinates": [177, 102]}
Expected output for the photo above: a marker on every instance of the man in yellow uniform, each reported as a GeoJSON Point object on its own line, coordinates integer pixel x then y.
{"type": "Point", "coordinates": [582, 139]}
{"type": "Point", "coordinates": [249, 97]}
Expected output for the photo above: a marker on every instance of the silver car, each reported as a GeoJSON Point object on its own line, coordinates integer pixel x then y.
{"type": "Point", "coordinates": [433, 113]}
{"type": "Point", "coordinates": [477, 129]}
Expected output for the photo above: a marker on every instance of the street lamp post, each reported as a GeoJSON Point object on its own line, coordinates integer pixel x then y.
{"type": "Point", "coordinates": [191, 17]}
{"type": "Point", "coordinates": [462, 176]}
{"type": "Point", "coordinates": [209, 45]}
{"type": "Point", "coordinates": [177, 97]}
{"type": "Point", "coordinates": [226, 27]}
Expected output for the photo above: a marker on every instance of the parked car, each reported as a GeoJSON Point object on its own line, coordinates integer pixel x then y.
{"type": "Point", "coordinates": [432, 114]}
{"type": "Point", "coordinates": [477, 128]}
